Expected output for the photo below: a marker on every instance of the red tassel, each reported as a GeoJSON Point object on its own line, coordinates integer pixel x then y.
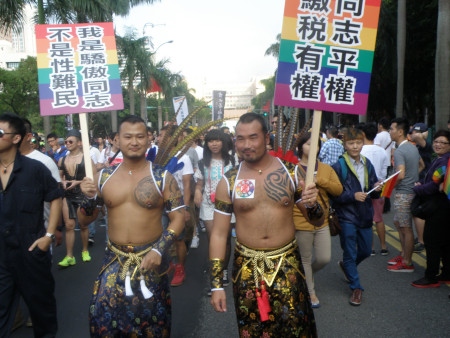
{"type": "Point", "coordinates": [262, 298]}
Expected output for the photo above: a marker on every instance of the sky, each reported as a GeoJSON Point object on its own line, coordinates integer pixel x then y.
{"type": "Point", "coordinates": [214, 41]}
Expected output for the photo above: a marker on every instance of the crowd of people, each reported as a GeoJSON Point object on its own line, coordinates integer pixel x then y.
{"type": "Point", "coordinates": [227, 186]}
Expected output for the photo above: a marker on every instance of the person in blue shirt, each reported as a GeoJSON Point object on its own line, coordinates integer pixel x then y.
{"type": "Point", "coordinates": [331, 149]}
{"type": "Point", "coordinates": [354, 208]}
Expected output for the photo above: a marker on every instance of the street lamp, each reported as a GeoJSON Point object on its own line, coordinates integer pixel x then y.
{"type": "Point", "coordinates": [170, 41]}
{"type": "Point", "coordinates": [151, 25]}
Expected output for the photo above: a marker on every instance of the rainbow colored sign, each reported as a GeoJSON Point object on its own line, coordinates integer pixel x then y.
{"type": "Point", "coordinates": [77, 68]}
{"type": "Point", "coordinates": [326, 54]}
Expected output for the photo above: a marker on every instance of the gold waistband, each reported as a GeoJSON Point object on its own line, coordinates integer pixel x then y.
{"type": "Point", "coordinates": [131, 258]}
{"type": "Point", "coordinates": [262, 259]}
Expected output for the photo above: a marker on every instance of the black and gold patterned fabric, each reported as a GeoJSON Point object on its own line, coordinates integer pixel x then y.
{"type": "Point", "coordinates": [281, 269]}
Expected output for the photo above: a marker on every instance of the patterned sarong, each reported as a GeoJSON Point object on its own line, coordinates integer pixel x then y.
{"type": "Point", "coordinates": [113, 314]}
{"type": "Point", "coordinates": [282, 272]}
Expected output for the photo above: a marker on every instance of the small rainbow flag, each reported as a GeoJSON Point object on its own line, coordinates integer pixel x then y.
{"type": "Point", "coordinates": [447, 180]}
{"type": "Point", "coordinates": [389, 184]}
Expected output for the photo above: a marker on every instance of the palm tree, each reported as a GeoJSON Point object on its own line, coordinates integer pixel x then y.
{"type": "Point", "coordinates": [442, 69]}
{"type": "Point", "coordinates": [274, 49]}
{"type": "Point", "coordinates": [133, 57]}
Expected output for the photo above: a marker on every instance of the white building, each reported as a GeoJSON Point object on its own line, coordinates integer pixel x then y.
{"type": "Point", "coordinates": [15, 47]}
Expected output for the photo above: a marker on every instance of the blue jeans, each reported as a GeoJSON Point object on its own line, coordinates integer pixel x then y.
{"type": "Point", "coordinates": [357, 246]}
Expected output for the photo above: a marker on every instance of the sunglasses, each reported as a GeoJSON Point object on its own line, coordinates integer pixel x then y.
{"type": "Point", "coordinates": [68, 142]}
{"type": "Point", "coordinates": [2, 132]}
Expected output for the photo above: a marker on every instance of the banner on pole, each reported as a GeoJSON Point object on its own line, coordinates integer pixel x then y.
{"type": "Point", "coordinates": [183, 112]}
{"type": "Point", "coordinates": [218, 104]}
{"type": "Point", "coordinates": [77, 68]}
{"type": "Point", "coordinates": [326, 54]}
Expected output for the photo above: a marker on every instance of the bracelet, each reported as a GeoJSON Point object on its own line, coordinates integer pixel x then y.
{"type": "Point", "coordinates": [157, 251]}
{"type": "Point", "coordinates": [216, 267]}
{"type": "Point", "coordinates": [217, 289]}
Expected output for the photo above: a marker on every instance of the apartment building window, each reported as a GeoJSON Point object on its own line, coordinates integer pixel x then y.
{"type": "Point", "coordinates": [12, 65]}
{"type": "Point", "coordinates": [18, 42]}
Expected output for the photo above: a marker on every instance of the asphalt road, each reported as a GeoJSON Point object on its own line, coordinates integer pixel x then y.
{"type": "Point", "coordinates": [391, 306]}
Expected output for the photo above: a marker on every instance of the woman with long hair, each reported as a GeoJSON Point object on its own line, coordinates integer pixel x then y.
{"type": "Point", "coordinates": [216, 162]}
{"type": "Point", "coordinates": [315, 240]}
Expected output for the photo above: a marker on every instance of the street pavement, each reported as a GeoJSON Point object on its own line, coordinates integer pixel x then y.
{"type": "Point", "coordinates": [391, 307]}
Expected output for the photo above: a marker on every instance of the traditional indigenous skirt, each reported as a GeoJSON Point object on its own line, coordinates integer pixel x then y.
{"type": "Point", "coordinates": [280, 273]}
{"type": "Point", "coordinates": [113, 313]}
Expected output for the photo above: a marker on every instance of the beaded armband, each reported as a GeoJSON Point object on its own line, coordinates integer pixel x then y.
{"type": "Point", "coordinates": [174, 203]}
{"type": "Point", "coordinates": [168, 236]}
{"type": "Point", "coordinates": [223, 207]}
{"type": "Point", "coordinates": [216, 267]}
{"type": "Point", "coordinates": [298, 195]}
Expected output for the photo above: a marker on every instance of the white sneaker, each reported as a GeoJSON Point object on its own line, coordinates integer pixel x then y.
{"type": "Point", "coordinates": [195, 242]}
{"type": "Point", "coordinates": [202, 226]}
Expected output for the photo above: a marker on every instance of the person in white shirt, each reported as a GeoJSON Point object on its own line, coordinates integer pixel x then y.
{"type": "Point", "coordinates": [380, 161]}
{"type": "Point", "coordinates": [383, 139]}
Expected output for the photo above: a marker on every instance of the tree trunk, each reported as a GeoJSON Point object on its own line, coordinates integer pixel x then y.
{"type": "Point", "coordinates": [442, 68]}
{"type": "Point", "coordinates": [401, 41]}
{"type": "Point", "coordinates": [131, 95]}
{"type": "Point", "coordinates": [143, 101]}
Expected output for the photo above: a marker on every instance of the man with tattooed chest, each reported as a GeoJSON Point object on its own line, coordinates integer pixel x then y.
{"type": "Point", "coordinates": [131, 294]}
{"type": "Point", "coordinates": [270, 293]}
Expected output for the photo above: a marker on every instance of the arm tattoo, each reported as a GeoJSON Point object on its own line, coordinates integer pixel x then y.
{"type": "Point", "coordinates": [277, 185]}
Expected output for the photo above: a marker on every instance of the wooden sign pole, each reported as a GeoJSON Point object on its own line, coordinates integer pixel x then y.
{"type": "Point", "coordinates": [86, 146]}
{"type": "Point", "coordinates": [315, 134]}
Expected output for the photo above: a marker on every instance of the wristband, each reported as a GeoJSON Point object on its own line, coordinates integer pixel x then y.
{"type": "Point", "coordinates": [216, 267]}
{"type": "Point", "coordinates": [217, 289]}
{"type": "Point", "coordinates": [157, 251]}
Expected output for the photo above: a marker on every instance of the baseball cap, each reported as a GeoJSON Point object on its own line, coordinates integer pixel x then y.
{"type": "Point", "coordinates": [419, 127]}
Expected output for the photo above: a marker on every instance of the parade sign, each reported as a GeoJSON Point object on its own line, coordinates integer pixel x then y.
{"type": "Point", "coordinates": [77, 68]}
{"type": "Point", "coordinates": [326, 54]}
{"type": "Point", "coordinates": [181, 108]}
{"type": "Point", "coordinates": [218, 104]}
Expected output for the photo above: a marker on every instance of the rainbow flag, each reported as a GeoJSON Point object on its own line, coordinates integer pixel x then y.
{"type": "Point", "coordinates": [326, 55]}
{"type": "Point", "coordinates": [389, 185]}
{"type": "Point", "coordinates": [447, 180]}
{"type": "Point", "coordinates": [78, 68]}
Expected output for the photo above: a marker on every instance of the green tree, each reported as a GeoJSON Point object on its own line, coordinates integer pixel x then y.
{"type": "Point", "coordinates": [133, 57]}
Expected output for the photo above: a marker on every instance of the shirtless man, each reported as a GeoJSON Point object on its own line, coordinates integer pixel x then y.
{"type": "Point", "coordinates": [271, 298]}
{"type": "Point", "coordinates": [131, 294]}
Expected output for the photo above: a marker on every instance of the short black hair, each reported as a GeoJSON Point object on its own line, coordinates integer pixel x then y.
{"type": "Point", "coordinates": [16, 124]}
{"type": "Point", "coordinates": [28, 126]}
{"type": "Point", "coordinates": [370, 130]}
{"type": "Point", "coordinates": [403, 124]}
{"type": "Point", "coordinates": [133, 119]}
{"type": "Point", "coordinates": [250, 117]}
{"type": "Point", "coordinates": [442, 132]}
{"type": "Point", "coordinates": [52, 135]}
{"type": "Point", "coordinates": [333, 131]}
{"type": "Point", "coordinates": [384, 122]}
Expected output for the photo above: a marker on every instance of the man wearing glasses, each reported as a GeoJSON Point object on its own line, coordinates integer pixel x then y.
{"type": "Point", "coordinates": [57, 150]}
{"type": "Point", "coordinates": [25, 259]}
{"type": "Point", "coordinates": [72, 171]}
